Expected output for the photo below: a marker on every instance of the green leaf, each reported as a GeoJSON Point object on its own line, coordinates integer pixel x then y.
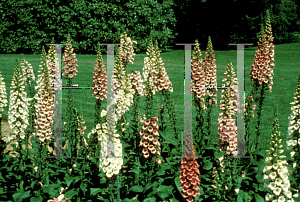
{"type": "Point", "coordinates": [49, 189]}
{"type": "Point", "coordinates": [103, 180]}
{"type": "Point", "coordinates": [136, 171]}
{"type": "Point", "coordinates": [21, 195]}
{"type": "Point", "coordinates": [258, 198]}
{"type": "Point", "coordinates": [229, 187]}
{"type": "Point", "coordinates": [136, 188]}
{"type": "Point", "coordinates": [130, 200]}
{"type": "Point", "coordinates": [70, 193]}
{"type": "Point", "coordinates": [174, 200]}
{"type": "Point", "coordinates": [208, 166]}
{"type": "Point", "coordinates": [164, 191]}
{"type": "Point", "coordinates": [177, 182]}
{"type": "Point", "coordinates": [148, 186]}
{"type": "Point", "coordinates": [149, 200]}
{"type": "Point", "coordinates": [168, 138]}
{"type": "Point", "coordinates": [68, 180]}
{"type": "Point", "coordinates": [95, 191]}
{"type": "Point", "coordinates": [209, 147]}
{"type": "Point", "coordinates": [36, 199]}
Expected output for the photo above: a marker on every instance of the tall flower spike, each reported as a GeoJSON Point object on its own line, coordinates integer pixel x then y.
{"type": "Point", "coordinates": [293, 134]}
{"type": "Point", "coordinates": [27, 70]}
{"type": "Point", "coordinates": [276, 170]}
{"type": "Point", "coordinates": [263, 64]}
{"type": "Point", "coordinates": [162, 78]}
{"type": "Point", "coordinates": [149, 67]}
{"type": "Point", "coordinates": [18, 111]}
{"type": "Point", "coordinates": [126, 49]}
{"type": "Point", "coordinates": [189, 177]}
{"type": "Point", "coordinates": [226, 121]}
{"type": "Point", "coordinates": [123, 87]}
{"type": "Point", "coordinates": [150, 138]}
{"type": "Point", "coordinates": [210, 69]}
{"type": "Point", "coordinates": [198, 76]}
{"type": "Point", "coordinates": [51, 65]}
{"type": "Point", "coordinates": [99, 78]}
{"type": "Point", "coordinates": [155, 67]}
{"type": "Point", "coordinates": [45, 106]}
{"type": "Point", "coordinates": [110, 166]}
{"type": "Point", "coordinates": [3, 96]}
{"type": "Point", "coordinates": [69, 60]}
{"type": "Point", "coordinates": [137, 82]}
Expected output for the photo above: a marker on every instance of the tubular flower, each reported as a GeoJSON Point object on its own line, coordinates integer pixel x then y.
{"type": "Point", "coordinates": [18, 110]}
{"type": "Point", "coordinates": [275, 173]}
{"type": "Point", "coordinates": [210, 73]}
{"type": "Point", "coordinates": [263, 64]}
{"type": "Point", "coordinates": [226, 123]}
{"type": "Point", "coordinates": [198, 75]}
{"type": "Point", "coordinates": [137, 82]}
{"type": "Point", "coordinates": [99, 78]}
{"type": "Point", "coordinates": [123, 89]}
{"type": "Point", "coordinates": [126, 49]}
{"type": "Point", "coordinates": [154, 72]}
{"type": "Point", "coordinates": [27, 70]}
{"type": "Point", "coordinates": [293, 133]}
{"type": "Point", "coordinates": [51, 65]}
{"type": "Point", "coordinates": [45, 104]}
{"type": "Point", "coordinates": [163, 81]}
{"type": "Point", "coordinates": [110, 166]}
{"type": "Point", "coordinates": [18, 104]}
{"type": "Point", "coordinates": [149, 66]}
{"type": "Point", "coordinates": [70, 61]}
{"type": "Point", "coordinates": [3, 95]}
{"type": "Point", "coordinates": [149, 139]}
{"type": "Point", "coordinates": [189, 177]}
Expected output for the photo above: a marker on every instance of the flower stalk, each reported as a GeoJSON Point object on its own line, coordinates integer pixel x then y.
{"type": "Point", "coordinates": [293, 137]}
{"type": "Point", "coordinates": [262, 69]}
{"type": "Point", "coordinates": [3, 99]}
{"type": "Point", "coordinates": [276, 170]}
{"type": "Point", "coordinates": [18, 107]}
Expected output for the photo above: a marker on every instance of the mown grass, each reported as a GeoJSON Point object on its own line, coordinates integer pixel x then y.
{"type": "Point", "coordinates": [286, 73]}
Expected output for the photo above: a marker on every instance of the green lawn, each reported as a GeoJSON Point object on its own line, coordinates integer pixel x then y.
{"type": "Point", "coordinates": [286, 73]}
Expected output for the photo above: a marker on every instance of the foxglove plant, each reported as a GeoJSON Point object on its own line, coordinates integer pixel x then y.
{"type": "Point", "coordinates": [100, 93]}
{"type": "Point", "coordinates": [45, 104]}
{"type": "Point", "coordinates": [126, 49]}
{"type": "Point", "coordinates": [198, 89]}
{"type": "Point", "coordinates": [262, 69]}
{"type": "Point", "coordinates": [29, 77]}
{"type": "Point", "coordinates": [70, 62]}
{"type": "Point", "coordinates": [210, 74]}
{"type": "Point", "coordinates": [18, 105]}
{"type": "Point", "coordinates": [157, 80]}
{"type": "Point", "coordinates": [198, 76]}
{"type": "Point", "coordinates": [137, 82]}
{"type": "Point", "coordinates": [149, 137]}
{"type": "Point", "coordinates": [27, 71]}
{"type": "Point", "coordinates": [110, 166]}
{"type": "Point", "coordinates": [124, 91]}
{"type": "Point", "coordinates": [189, 177]}
{"type": "Point", "coordinates": [226, 121]}
{"type": "Point", "coordinates": [99, 78]}
{"type": "Point", "coordinates": [276, 170]}
{"type": "Point", "coordinates": [3, 99]}
{"type": "Point", "coordinates": [293, 136]}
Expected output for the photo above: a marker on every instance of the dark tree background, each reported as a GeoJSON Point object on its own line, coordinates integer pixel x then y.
{"type": "Point", "coordinates": [235, 21]}
{"type": "Point", "coordinates": [27, 25]}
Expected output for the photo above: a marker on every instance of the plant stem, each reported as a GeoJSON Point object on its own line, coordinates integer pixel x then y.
{"type": "Point", "coordinates": [261, 99]}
